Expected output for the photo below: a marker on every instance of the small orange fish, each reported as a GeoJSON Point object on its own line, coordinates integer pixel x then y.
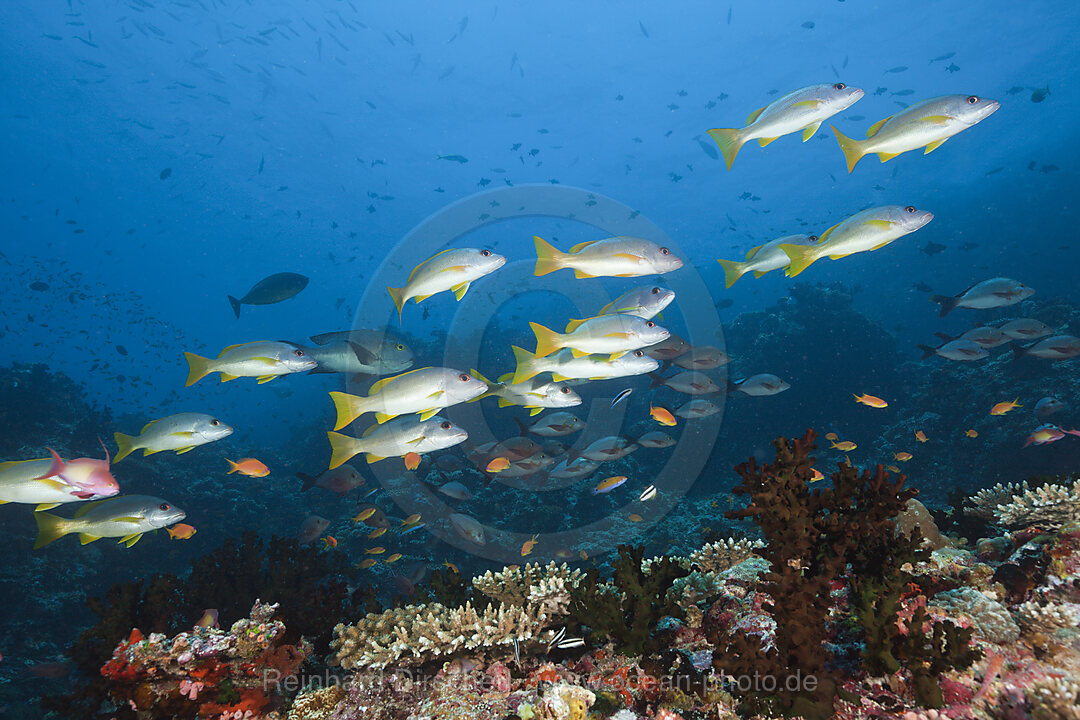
{"type": "Point", "coordinates": [248, 466]}
{"type": "Point", "coordinates": [1003, 407]}
{"type": "Point", "coordinates": [870, 401]}
{"type": "Point", "coordinates": [411, 520]}
{"type": "Point", "coordinates": [662, 416]}
{"type": "Point", "coordinates": [377, 532]}
{"type": "Point", "coordinates": [366, 563]}
{"type": "Point", "coordinates": [393, 558]}
{"type": "Point", "coordinates": [832, 436]}
{"type": "Point", "coordinates": [920, 436]}
{"type": "Point", "coordinates": [816, 475]}
{"type": "Point", "coordinates": [845, 446]}
{"type": "Point", "coordinates": [892, 468]}
{"type": "Point", "coordinates": [364, 515]}
{"type": "Point", "coordinates": [634, 517]}
{"type": "Point", "coordinates": [902, 456]}
{"type": "Point", "coordinates": [528, 545]}
{"type": "Point", "coordinates": [329, 542]}
{"type": "Point", "coordinates": [412, 461]}
{"type": "Point", "coordinates": [180, 531]}
{"type": "Point", "coordinates": [971, 433]}
{"type": "Point", "coordinates": [450, 566]}
{"type": "Point", "coordinates": [498, 464]}
{"type": "Point", "coordinates": [377, 550]}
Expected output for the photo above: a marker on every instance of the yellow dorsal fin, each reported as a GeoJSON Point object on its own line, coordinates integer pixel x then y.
{"type": "Point", "coordinates": [380, 384]}
{"type": "Point", "coordinates": [754, 115]}
{"type": "Point", "coordinates": [825, 235]}
{"type": "Point", "coordinates": [87, 507]}
{"type": "Point", "coordinates": [753, 251]}
{"type": "Point", "coordinates": [535, 411]}
{"type": "Point", "coordinates": [876, 127]}
{"type": "Point", "coordinates": [504, 378]}
{"type": "Point", "coordinates": [581, 246]}
{"type": "Point", "coordinates": [415, 269]}
{"type": "Point", "coordinates": [575, 324]}
{"type": "Point", "coordinates": [368, 431]}
{"type": "Point", "coordinates": [12, 463]}
{"type": "Point", "coordinates": [230, 347]}
{"type": "Point", "coordinates": [147, 426]}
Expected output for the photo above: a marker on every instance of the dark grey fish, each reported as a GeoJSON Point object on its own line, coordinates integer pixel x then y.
{"type": "Point", "coordinates": [940, 58]}
{"type": "Point", "coordinates": [39, 286]}
{"type": "Point", "coordinates": [1040, 94]}
{"type": "Point", "coordinates": [274, 289]}
{"type": "Point", "coordinates": [164, 174]}
{"type": "Point", "coordinates": [386, 354]}
{"type": "Point", "coordinates": [897, 69]}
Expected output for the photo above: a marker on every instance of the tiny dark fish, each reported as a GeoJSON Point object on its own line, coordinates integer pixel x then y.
{"type": "Point", "coordinates": [1031, 165]}
{"type": "Point", "coordinates": [856, 118]}
{"type": "Point", "coordinates": [708, 148]}
{"type": "Point", "coordinates": [904, 93]}
{"type": "Point", "coordinates": [270, 290]}
{"type": "Point", "coordinates": [39, 286]}
{"type": "Point", "coordinates": [809, 24]}
{"type": "Point", "coordinates": [621, 396]}
{"type": "Point", "coordinates": [881, 91]}
{"type": "Point", "coordinates": [932, 248]}
{"type": "Point", "coordinates": [725, 303]}
{"type": "Point", "coordinates": [1015, 89]}
{"type": "Point", "coordinates": [454, 158]}
{"type": "Point", "coordinates": [897, 69]}
{"type": "Point", "coordinates": [1040, 94]}
{"type": "Point", "coordinates": [121, 349]}
{"type": "Point", "coordinates": [643, 30]}
{"type": "Point", "coordinates": [953, 67]}
{"type": "Point", "coordinates": [164, 174]}
{"type": "Point", "coordinates": [941, 58]}
{"type": "Point", "coordinates": [922, 287]}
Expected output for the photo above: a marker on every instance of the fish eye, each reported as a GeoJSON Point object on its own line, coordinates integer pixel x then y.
{"type": "Point", "coordinates": [399, 346]}
{"type": "Point", "coordinates": [839, 86]}
{"type": "Point", "coordinates": [463, 377]}
{"type": "Point", "coordinates": [163, 506]}
{"type": "Point", "coordinates": [664, 251]}
{"type": "Point", "coordinates": [298, 353]}
{"type": "Point", "coordinates": [485, 253]}
{"type": "Point", "coordinates": [639, 353]}
{"type": "Point", "coordinates": [812, 238]}
{"type": "Point", "coordinates": [972, 100]}
{"type": "Point", "coordinates": [564, 390]}
{"type": "Point", "coordinates": [656, 291]}
{"type": "Point", "coordinates": [650, 324]}
{"type": "Point", "coordinates": [910, 208]}
{"type": "Point", "coordinates": [215, 422]}
{"type": "Point", "coordinates": [445, 424]}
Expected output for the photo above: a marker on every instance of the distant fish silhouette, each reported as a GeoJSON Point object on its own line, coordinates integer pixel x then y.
{"type": "Point", "coordinates": [270, 290]}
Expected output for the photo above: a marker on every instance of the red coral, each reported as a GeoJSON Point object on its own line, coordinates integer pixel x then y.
{"type": "Point", "coordinates": [250, 700]}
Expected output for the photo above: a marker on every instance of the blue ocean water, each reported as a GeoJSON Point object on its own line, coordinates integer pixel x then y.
{"type": "Point", "coordinates": [162, 155]}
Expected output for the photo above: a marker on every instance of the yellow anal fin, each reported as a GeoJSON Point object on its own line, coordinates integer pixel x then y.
{"type": "Point", "coordinates": [809, 130]}
{"type": "Point", "coordinates": [934, 146]}
{"type": "Point", "coordinates": [226, 377]}
{"type": "Point", "coordinates": [44, 506]}
{"type": "Point", "coordinates": [578, 353]}
{"type": "Point", "coordinates": [181, 451]}
{"type": "Point", "coordinates": [758, 273]}
{"type": "Point", "coordinates": [885, 157]}
{"type": "Point", "coordinates": [373, 458]}
{"type": "Point", "coordinates": [460, 290]}
{"type": "Point", "coordinates": [838, 257]}
{"type": "Point", "coordinates": [383, 417]}
{"type": "Point", "coordinates": [503, 402]}
{"type": "Point", "coordinates": [428, 414]}
{"type": "Point", "coordinates": [266, 378]}
{"type": "Point", "coordinates": [579, 274]}
{"type": "Point", "coordinates": [86, 538]}
{"type": "Point", "coordinates": [535, 411]}
{"type": "Point", "coordinates": [418, 298]}
{"type": "Point", "coordinates": [765, 141]}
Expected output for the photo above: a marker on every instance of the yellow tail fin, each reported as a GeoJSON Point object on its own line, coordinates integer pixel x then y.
{"type": "Point", "coordinates": [729, 141]}
{"type": "Point", "coordinates": [547, 340]}
{"type": "Point", "coordinates": [50, 528]}
{"type": "Point", "coordinates": [802, 256]}
{"type": "Point", "coordinates": [233, 466]}
{"type": "Point", "coordinates": [349, 407]}
{"type": "Point", "coordinates": [732, 271]}
{"type": "Point", "coordinates": [126, 443]}
{"type": "Point", "coordinates": [548, 257]}
{"type": "Point", "coordinates": [853, 150]}
{"type": "Point", "coordinates": [344, 448]}
{"type": "Point", "coordinates": [198, 368]}
{"type": "Point", "coordinates": [398, 294]}
{"type": "Point", "coordinates": [526, 365]}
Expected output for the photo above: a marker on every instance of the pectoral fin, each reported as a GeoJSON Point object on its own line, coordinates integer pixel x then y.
{"type": "Point", "coordinates": [935, 119]}
{"type": "Point", "coordinates": [266, 378]}
{"type": "Point", "coordinates": [181, 451]}
{"type": "Point", "coordinates": [453, 268]}
{"type": "Point", "coordinates": [460, 290]}
{"type": "Point", "coordinates": [415, 440]}
{"type": "Point", "coordinates": [628, 256]}
{"type": "Point", "coordinates": [44, 506]}
{"type": "Point", "coordinates": [879, 224]}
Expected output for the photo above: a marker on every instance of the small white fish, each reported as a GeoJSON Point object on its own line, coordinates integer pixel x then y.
{"type": "Point", "coordinates": [424, 390]}
{"type": "Point", "coordinates": [871, 229]}
{"type": "Point", "coordinates": [763, 258]}
{"type": "Point", "coordinates": [648, 493]}
{"type": "Point", "coordinates": [452, 269]}
{"type": "Point", "coordinates": [613, 257]}
{"type": "Point", "coordinates": [610, 448]}
{"type": "Point", "coordinates": [397, 438]}
{"type": "Point", "coordinates": [985, 335]}
{"type": "Point", "coordinates": [263, 359]}
{"type": "Point", "coordinates": [564, 366]}
{"type": "Point", "coordinates": [1026, 329]}
{"type": "Point", "coordinates": [576, 468]}
{"type": "Point", "coordinates": [645, 302]}
{"type": "Point", "coordinates": [992, 293]}
{"type": "Point", "coordinates": [925, 124]}
{"type": "Point", "coordinates": [803, 109]}
{"type": "Point", "coordinates": [180, 432]}
{"type": "Point", "coordinates": [468, 528]}
{"type": "Point", "coordinates": [960, 350]}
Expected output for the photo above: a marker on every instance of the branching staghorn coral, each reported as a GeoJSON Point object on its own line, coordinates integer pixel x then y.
{"type": "Point", "coordinates": [546, 586]}
{"type": "Point", "coordinates": [724, 554]}
{"type": "Point", "coordinates": [1052, 505]}
{"type": "Point", "coordinates": [1035, 617]}
{"type": "Point", "coordinates": [985, 502]}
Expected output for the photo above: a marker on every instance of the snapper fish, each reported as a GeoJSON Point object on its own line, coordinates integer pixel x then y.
{"type": "Point", "coordinates": [387, 354]}
{"type": "Point", "coordinates": [181, 432]}
{"type": "Point", "coordinates": [1026, 329]}
{"type": "Point", "coordinates": [871, 229]}
{"type": "Point", "coordinates": [959, 349]}
{"type": "Point", "coordinates": [669, 349]}
{"type": "Point", "coordinates": [763, 258]}
{"type": "Point", "coordinates": [126, 517]}
{"type": "Point", "coordinates": [396, 438]}
{"type": "Point", "coordinates": [656, 439]}
{"type": "Point", "coordinates": [702, 357]}
{"type": "Point", "coordinates": [453, 269]}
{"type": "Point", "coordinates": [645, 302]}
{"type": "Point", "coordinates": [1058, 347]}
{"type": "Point", "coordinates": [984, 335]}
{"type": "Point", "coordinates": [270, 290]}
{"type": "Point", "coordinates": [534, 394]}
{"type": "Point", "coordinates": [424, 390]}
{"type": "Point", "coordinates": [609, 448]}
{"type": "Point", "coordinates": [803, 109]}
{"type": "Point", "coordinates": [689, 382]}
{"type": "Point", "coordinates": [49, 482]}
{"type": "Point", "coordinates": [611, 335]}
{"type": "Point", "coordinates": [341, 480]}
{"type": "Point", "coordinates": [263, 359]}
{"type": "Point", "coordinates": [759, 385]}
{"type": "Point", "coordinates": [992, 293]}
{"type": "Point", "coordinates": [613, 257]}
{"type": "Point", "coordinates": [925, 124]}
{"type": "Point", "coordinates": [557, 424]}
{"type": "Point", "coordinates": [579, 467]}
{"type": "Point", "coordinates": [564, 366]}
{"type": "Point", "coordinates": [468, 528]}
{"type": "Point", "coordinates": [697, 408]}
